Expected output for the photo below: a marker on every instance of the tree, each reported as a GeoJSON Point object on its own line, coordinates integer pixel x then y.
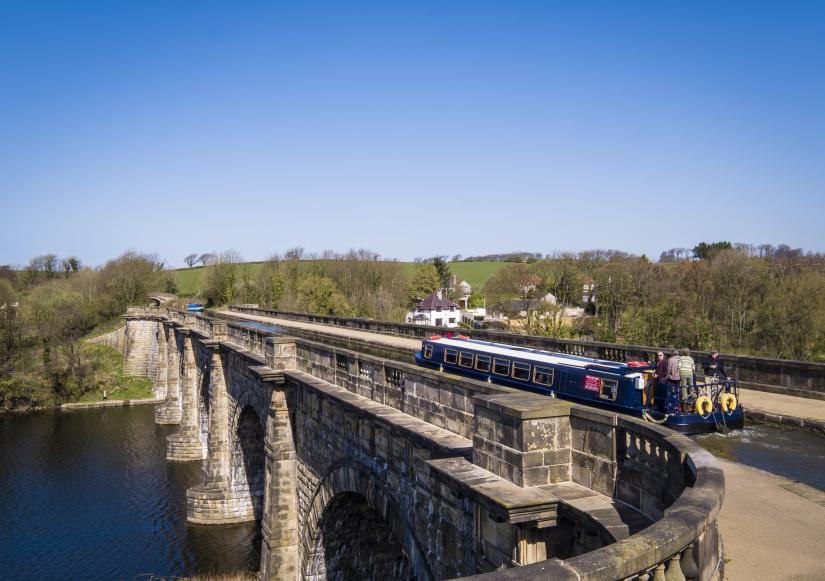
{"type": "Point", "coordinates": [128, 280]}
{"type": "Point", "coordinates": [9, 323]}
{"type": "Point", "coordinates": [271, 283]}
{"type": "Point", "coordinates": [320, 295]}
{"type": "Point", "coordinates": [220, 278]}
{"type": "Point", "coordinates": [514, 281]}
{"type": "Point", "coordinates": [69, 265]}
{"type": "Point", "coordinates": [206, 259]}
{"type": "Point", "coordinates": [444, 274]}
{"type": "Point", "coordinates": [191, 259]}
{"type": "Point", "coordinates": [703, 250]}
{"type": "Point", "coordinates": [424, 281]}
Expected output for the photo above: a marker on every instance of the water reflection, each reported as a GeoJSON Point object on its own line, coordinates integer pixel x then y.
{"type": "Point", "coordinates": [795, 454]}
{"type": "Point", "coordinates": [90, 495]}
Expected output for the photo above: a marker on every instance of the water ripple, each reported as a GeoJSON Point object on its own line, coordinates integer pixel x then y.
{"type": "Point", "coordinates": [90, 495]}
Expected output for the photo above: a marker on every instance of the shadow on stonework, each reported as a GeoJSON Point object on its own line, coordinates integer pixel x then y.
{"type": "Point", "coordinates": [250, 463]}
{"type": "Point", "coordinates": [354, 542]}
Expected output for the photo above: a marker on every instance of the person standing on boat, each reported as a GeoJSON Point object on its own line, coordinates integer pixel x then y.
{"type": "Point", "coordinates": [686, 365]}
{"type": "Point", "coordinates": [673, 375]}
{"type": "Point", "coordinates": [713, 368]}
{"type": "Point", "coordinates": [659, 376]}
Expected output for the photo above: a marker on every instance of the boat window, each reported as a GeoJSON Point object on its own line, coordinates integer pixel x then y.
{"type": "Point", "coordinates": [501, 366]}
{"type": "Point", "coordinates": [450, 355]}
{"type": "Point", "coordinates": [465, 359]}
{"type": "Point", "coordinates": [609, 389]}
{"type": "Point", "coordinates": [482, 363]}
{"type": "Point", "coordinates": [521, 371]}
{"type": "Point", "coordinates": [543, 375]}
{"type": "Point", "coordinates": [428, 351]}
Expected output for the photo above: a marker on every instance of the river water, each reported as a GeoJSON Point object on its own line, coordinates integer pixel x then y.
{"type": "Point", "coordinates": [90, 495]}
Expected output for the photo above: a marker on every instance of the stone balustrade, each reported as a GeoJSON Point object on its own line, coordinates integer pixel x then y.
{"type": "Point", "coordinates": [799, 378]}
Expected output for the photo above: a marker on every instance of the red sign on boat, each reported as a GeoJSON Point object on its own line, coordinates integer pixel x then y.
{"type": "Point", "coordinates": [592, 383]}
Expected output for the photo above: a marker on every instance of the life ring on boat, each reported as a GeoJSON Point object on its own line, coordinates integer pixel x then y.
{"type": "Point", "coordinates": [704, 405]}
{"type": "Point", "coordinates": [728, 402]}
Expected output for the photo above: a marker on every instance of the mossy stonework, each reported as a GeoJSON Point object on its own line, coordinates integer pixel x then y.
{"type": "Point", "coordinates": [360, 466]}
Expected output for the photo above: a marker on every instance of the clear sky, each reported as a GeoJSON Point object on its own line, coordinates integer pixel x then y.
{"type": "Point", "coordinates": [408, 128]}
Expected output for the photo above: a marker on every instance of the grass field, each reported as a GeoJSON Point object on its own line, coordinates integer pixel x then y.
{"type": "Point", "coordinates": [475, 273]}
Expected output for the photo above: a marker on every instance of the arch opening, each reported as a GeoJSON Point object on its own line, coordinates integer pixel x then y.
{"type": "Point", "coordinates": [249, 459]}
{"type": "Point", "coordinates": [204, 401]}
{"type": "Point", "coordinates": [353, 541]}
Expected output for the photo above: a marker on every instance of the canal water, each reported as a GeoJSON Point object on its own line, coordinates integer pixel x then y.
{"type": "Point", "coordinates": [794, 454]}
{"type": "Point", "coordinates": [89, 495]}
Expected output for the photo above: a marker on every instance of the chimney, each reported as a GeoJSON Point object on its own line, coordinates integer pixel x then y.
{"type": "Point", "coordinates": [438, 294]}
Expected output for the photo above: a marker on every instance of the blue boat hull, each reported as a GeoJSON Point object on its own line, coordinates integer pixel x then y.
{"type": "Point", "coordinates": [688, 423]}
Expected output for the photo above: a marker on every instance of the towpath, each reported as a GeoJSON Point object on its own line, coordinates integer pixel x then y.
{"type": "Point", "coordinates": [772, 527]}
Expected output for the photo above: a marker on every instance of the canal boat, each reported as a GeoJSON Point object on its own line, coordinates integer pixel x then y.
{"type": "Point", "coordinates": [194, 307]}
{"type": "Point", "coordinates": [611, 385]}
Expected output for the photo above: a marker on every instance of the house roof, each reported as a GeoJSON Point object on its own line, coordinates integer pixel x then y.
{"type": "Point", "coordinates": [431, 302]}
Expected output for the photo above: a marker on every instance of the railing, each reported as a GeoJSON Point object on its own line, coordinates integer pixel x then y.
{"type": "Point", "coordinates": [800, 378]}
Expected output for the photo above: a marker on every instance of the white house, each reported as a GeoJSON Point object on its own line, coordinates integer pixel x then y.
{"type": "Point", "coordinates": [436, 311]}
{"type": "Point", "coordinates": [471, 317]}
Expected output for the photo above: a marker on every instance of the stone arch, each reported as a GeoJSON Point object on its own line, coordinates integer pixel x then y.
{"type": "Point", "coordinates": [351, 499]}
{"type": "Point", "coordinates": [247, 460]}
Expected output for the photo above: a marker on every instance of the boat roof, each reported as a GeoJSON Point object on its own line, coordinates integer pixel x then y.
{"type": "Point", "coordinates": [534, 354]}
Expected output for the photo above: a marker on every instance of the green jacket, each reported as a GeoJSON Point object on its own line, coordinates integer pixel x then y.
{"type": "Point", "coordinates": [686, 366]}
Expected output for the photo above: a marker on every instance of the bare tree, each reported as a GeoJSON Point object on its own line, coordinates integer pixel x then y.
{"type": "Point", "coordinates": [206, 259]}
{"type": "Point", "coordinates": [190, 259]}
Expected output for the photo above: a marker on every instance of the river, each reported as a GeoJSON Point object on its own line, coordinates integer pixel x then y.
{"type": "Point", "coordinates": [89, 495]}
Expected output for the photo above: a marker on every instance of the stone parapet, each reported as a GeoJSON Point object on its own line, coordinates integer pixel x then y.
{"type": "Point", "coordinates": [799, 378]}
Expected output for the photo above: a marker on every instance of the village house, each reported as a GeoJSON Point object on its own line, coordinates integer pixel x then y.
{"type": "Point", "coordinates": [435, 311]}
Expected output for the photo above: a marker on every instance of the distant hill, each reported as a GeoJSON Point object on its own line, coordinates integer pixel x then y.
{"type": "Point", "coordinates": [475, 273]}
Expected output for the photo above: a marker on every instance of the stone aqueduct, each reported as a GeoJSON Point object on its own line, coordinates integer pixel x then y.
{"type": "Point", "coordinates": [359, 467]}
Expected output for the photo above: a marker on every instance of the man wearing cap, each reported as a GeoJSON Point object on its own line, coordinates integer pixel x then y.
{"type": "Point", "coordinates": [713, 368]}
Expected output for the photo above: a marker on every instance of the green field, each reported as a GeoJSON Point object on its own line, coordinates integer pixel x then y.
{"type": "Point", "coordinates": [475, 273]}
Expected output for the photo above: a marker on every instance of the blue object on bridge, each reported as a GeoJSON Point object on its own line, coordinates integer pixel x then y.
{"type": "Point", "coordinates": [194, 307]}
{"type": "Point", "coordinates": [611, 385]}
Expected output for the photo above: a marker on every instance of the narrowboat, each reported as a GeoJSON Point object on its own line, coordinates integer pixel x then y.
{"type": "Point", "coordinates": [610, 385]}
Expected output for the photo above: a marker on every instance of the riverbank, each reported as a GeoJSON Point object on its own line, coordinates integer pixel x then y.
{"type": "Point", "coordinates": [109, 403]}
{"type": "Point", "coordinates": [37, 386]}
{"type": "Point", "coordinates": [771, 526]}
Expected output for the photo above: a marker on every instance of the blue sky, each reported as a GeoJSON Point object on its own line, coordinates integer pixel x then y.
{"type": "Point", "coordinates": [408, 128]}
